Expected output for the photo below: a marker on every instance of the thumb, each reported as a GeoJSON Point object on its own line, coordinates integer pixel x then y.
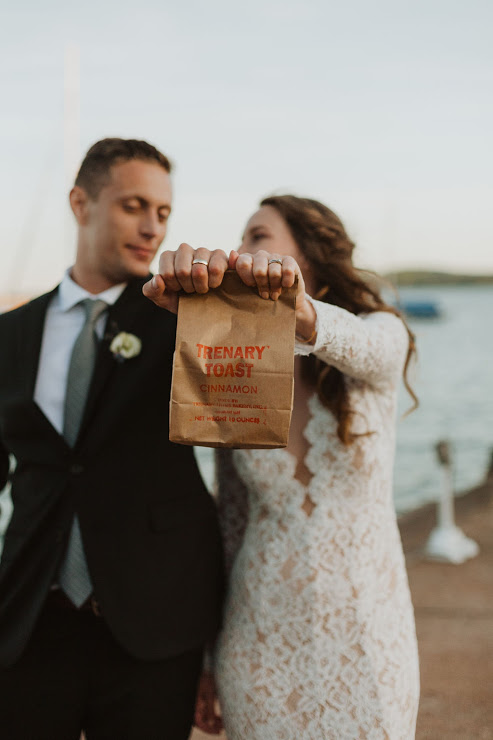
{"type": "Point", "coordinates": [155, 290]}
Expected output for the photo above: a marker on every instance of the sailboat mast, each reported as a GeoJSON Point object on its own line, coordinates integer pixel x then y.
{"type": "Point", "coordinates": [71, 132]}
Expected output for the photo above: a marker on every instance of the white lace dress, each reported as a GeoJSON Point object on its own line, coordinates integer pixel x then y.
{"type": "Point", "coordinates": [319, 638]}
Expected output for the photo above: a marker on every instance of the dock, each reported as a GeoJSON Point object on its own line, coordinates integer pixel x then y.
{"type": "Point", "coordinates": [454, 622]}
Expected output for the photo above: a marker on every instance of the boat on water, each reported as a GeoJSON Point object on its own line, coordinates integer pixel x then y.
{"type": "Point", "coordinates": [419, 309]}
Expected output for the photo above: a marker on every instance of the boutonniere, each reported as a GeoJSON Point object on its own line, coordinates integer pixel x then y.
{"type": "Point", "coordinates": [125, 346]}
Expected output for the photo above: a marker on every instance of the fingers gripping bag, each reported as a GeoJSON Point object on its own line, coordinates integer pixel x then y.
{"type": "Point", "coordinates": [233, 367]}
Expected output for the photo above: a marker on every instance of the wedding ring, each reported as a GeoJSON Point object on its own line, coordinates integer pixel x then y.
{"type": "Point", "coordinates": [200, 262]}
{"type": "Point", "coordinates": [279, 262]}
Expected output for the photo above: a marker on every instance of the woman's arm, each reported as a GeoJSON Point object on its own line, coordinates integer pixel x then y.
{"type": "Point", "coordinates": [371, 347]}
{"type": "Point", "coordinates": [232, 499]}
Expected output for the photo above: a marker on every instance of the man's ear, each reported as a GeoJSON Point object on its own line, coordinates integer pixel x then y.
{"type": "Point", "coordinates": [79, 204]}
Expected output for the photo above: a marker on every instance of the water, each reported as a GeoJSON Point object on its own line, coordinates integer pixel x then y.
{"type": "Point", "coordinates": [454, 382]}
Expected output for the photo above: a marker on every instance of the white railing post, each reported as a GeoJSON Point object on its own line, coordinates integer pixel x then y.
{"type": "Point", "coordinates": [447, 541]}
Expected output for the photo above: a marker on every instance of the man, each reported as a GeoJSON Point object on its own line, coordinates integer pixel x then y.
{"type": "Point", "coordinates": [110, 578]}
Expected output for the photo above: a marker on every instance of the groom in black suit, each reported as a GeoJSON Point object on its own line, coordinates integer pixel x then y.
{"type": "Point", "coordinates": [110, 577]}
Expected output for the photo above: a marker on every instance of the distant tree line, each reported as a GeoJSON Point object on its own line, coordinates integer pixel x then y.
{"type": "Point", "coordinates": [426, 277]}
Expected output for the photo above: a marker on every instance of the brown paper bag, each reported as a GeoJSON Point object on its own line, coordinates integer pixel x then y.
{"type": "Point", "coordinates": [233, 367]}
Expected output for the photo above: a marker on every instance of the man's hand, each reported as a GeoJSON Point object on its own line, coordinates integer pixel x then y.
{"type": "Point", "coordinates": [180, 270]}
{"type": "Point", "coordinates": [206, 717]}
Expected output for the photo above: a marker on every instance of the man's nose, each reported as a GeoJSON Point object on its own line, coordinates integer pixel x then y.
{"type": "Point", "coordinates": [150, 226]}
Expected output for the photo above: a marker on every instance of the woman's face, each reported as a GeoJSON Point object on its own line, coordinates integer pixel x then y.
{"type": "Point", "coordinates": [267, 230]}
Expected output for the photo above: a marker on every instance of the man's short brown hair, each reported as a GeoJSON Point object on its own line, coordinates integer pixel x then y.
{"type": "Point", "coordinates": [94, 172]}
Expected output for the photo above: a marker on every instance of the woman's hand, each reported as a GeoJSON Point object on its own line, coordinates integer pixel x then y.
{"type": "Point", "coordinates": [270, 273]}
{"type": "Point", "coordinates": [206, 717]}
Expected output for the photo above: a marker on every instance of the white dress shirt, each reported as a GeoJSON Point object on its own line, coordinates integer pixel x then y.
{"type": "Point", "coordinates": [63, 323]}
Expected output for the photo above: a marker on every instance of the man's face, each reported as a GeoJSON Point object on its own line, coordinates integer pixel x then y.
{"type": "Point", "coordinates": [121, 231]}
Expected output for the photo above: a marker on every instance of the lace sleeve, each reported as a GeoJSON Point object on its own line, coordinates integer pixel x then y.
{"type": "Point", "coordinates": [370, 347]}
{"type": "Point", "coordinates": [232, 500]}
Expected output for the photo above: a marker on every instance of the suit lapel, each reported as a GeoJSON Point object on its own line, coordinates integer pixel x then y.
{"type": "Point", "coordinates": [122, 316]}
{"type": "Point", "coordinates": [30, 338]}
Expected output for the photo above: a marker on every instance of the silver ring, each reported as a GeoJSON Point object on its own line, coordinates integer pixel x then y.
{"type": "Point", "coordinates": [279, 262]}
{"type": "Point", "coordinates": [200, 262]}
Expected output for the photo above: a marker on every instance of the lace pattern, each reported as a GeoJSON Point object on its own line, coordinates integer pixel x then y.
{"type": "Point", "coordinates": [319, 638]}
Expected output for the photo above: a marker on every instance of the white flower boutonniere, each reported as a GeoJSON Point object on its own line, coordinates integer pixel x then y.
{"type": "Point", "coordinates": [125, 346]}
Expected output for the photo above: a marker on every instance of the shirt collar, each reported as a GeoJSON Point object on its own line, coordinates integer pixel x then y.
{"type": "Point", "coordinates": [69, 293]}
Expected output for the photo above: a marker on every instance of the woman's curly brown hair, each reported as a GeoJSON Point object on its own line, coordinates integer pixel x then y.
{"type": "Point", "coordinates": [323, 240]}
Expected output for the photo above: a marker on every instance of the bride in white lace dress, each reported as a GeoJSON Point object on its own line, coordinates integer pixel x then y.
{"type": "Point", "coordinates": [319, 639]}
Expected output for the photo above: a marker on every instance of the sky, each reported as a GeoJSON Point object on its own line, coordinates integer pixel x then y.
{"type": "Point", "coordinates": [383, 110]}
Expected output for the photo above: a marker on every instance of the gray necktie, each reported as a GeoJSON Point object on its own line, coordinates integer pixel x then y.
{"type": "Point", "coordinates": [74, 576]}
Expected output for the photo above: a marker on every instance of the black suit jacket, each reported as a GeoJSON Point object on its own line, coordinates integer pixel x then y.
{"type": "Point", "coordinates": [149, 525]}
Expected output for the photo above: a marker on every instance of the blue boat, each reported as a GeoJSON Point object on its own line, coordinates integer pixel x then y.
{"type": "Point", "coordinates": [420, 309]}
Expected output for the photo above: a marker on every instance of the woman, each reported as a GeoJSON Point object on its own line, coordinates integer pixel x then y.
{"type": "Point", "coordinates": [319, 638]}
